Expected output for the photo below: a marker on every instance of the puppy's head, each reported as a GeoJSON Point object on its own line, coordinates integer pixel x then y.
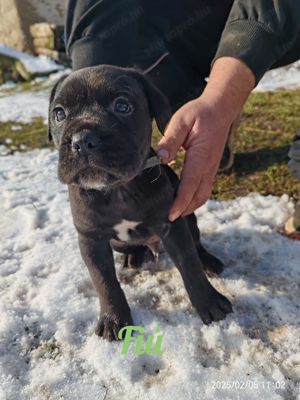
{"type": "Point", "coordinates": [100, 119]}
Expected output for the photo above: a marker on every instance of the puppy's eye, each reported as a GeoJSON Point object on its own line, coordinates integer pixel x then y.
{"type": "Point", "coordinates": [60, 114]}
{"type": "Point", "coordinates": [122, 106]}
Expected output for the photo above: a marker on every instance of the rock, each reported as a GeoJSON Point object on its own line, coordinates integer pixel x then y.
{"type": "Point", "coordinates": [11, 69]}
{"type": "Point", "coordinates": [15, 65]}
{"type": "Point", "coordinates": [18, 15]}
{"type": "Point", "coordinates": [48, 36]}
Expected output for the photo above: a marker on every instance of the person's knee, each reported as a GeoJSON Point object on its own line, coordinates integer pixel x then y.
{"type": "Point", "coordinates": [104, 32]}
{"type": "Point", "coordinates": [294, 155]}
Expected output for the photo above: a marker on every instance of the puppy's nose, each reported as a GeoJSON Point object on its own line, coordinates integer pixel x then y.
{"type": "Point", "coordinates": [86, 142]}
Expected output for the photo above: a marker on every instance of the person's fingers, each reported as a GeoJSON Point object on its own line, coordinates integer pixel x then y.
{"type": "Point", "coordinates": [189, 181]}
{"type": "Point", "coordinates": [201, 196]}
{"type": "Point", "coordinates": [175, 134]}
{"type": "Point", "coordinates": [185, 194]}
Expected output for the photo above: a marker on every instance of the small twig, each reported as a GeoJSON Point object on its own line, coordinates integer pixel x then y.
{"type": "Point", "coordinates": [105, 392]}
{"type": "Point", "coordinates": [34, 206]}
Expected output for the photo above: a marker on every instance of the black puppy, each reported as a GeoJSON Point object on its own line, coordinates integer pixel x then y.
{"type": "Point", "coordinates": [100, 119]}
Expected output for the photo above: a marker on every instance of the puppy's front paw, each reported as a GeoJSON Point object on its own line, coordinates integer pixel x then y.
{"type": "Point", "coordinates": [211, 305]}
{"type": "Point", "coordinates": [109, 325]}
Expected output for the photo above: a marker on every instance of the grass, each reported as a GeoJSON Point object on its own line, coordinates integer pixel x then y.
{"type": "Point", "coordinates": [25, 86]}
{"type": "Point", "coordinates": [32, 135]}
{"type": "Point", "coordinates": [268, 125]}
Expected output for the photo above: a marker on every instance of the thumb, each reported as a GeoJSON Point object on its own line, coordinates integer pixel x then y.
{"type": "Point", "coordinates": [174, 137]}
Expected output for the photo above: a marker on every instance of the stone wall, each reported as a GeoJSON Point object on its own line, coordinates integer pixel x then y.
{"type": "Point", "coordinates": [16, 16]}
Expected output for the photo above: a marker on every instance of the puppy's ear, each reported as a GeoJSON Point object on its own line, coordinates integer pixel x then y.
{"type": "Point", "coordinates": [160, 108]}
{"type": "Point", "coordinates": [52, 95]}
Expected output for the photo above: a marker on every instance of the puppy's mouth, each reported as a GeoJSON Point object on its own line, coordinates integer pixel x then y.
{"type": "Point", "coordinates": [95, 178]}
{"type": "Point", "coordinates": [93, 172]}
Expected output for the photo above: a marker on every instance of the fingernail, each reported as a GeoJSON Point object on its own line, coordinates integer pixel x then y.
{"type": "Point", "coordinates": [174, 215]}
{"type": "Point", "coordinates": [163, 154]}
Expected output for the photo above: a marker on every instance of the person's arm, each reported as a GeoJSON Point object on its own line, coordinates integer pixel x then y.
{"type": "Point", "coordinates": [201, 126]}
{"type": "Point", "coordinates": [260, 32]}
{"type": "Point", "coordinates": [256, 35]}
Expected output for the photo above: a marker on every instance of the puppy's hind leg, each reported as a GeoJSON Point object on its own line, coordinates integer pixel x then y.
{"type": "Point", "coordinates": [136, 256]}
{"type": "Point", "coordinates": [211, 264]}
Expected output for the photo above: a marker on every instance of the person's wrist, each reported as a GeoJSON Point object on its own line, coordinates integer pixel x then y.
{"type": "Point", "coordinates": [216, 110]}
{"type": "Point", "coordinates": [229, 85]}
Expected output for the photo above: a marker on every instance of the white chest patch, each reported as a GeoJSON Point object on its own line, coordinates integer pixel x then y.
{"type": "Point", "coordinates": [123, 227]}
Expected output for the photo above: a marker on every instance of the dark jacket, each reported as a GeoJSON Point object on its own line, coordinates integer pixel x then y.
{"type": "Point", "coordinates": [261, 33]}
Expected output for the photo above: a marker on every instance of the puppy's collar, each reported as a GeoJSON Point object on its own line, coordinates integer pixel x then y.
{"type": "Point", "coordinates": [152, 162]}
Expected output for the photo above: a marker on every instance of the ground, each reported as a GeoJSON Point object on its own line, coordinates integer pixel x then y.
{"type": "Point", "coordinates": [49, 308]}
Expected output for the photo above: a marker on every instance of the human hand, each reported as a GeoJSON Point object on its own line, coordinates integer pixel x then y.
{"type": "Point", "coordinates": [201, 127]}
{"type": "Point", "coordinates": [202, 131]}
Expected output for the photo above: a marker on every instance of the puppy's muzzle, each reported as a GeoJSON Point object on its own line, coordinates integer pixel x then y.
{"type": "Point", "coordinates": [86, 143]}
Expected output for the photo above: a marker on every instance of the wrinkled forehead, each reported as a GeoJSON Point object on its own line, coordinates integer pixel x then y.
{"type": "Point", "coordinates": [100, 85]}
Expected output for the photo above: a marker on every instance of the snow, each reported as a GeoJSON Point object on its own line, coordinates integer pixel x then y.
{"type": "Point", "coordinates": [49, 308]}
{"type": "Point", "coordinates": [281, 78]}
{"type": "Point", "coordinates": [24, 106]}
{"type": "Point", "coordinates": [34, 65]}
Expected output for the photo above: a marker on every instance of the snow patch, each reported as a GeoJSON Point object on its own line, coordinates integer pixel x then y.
{"type": "Point", "coordinates": [34, 65]}
{"type": "Point", "coordinates": [49, 308]}
{"type": "Point", "coordinates": [281, 78]}
{"type": "Point", "coordinates": [24, 106]}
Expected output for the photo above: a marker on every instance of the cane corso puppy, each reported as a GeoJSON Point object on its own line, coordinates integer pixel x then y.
{"type": "Point", "coordinates": [100, 119]}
